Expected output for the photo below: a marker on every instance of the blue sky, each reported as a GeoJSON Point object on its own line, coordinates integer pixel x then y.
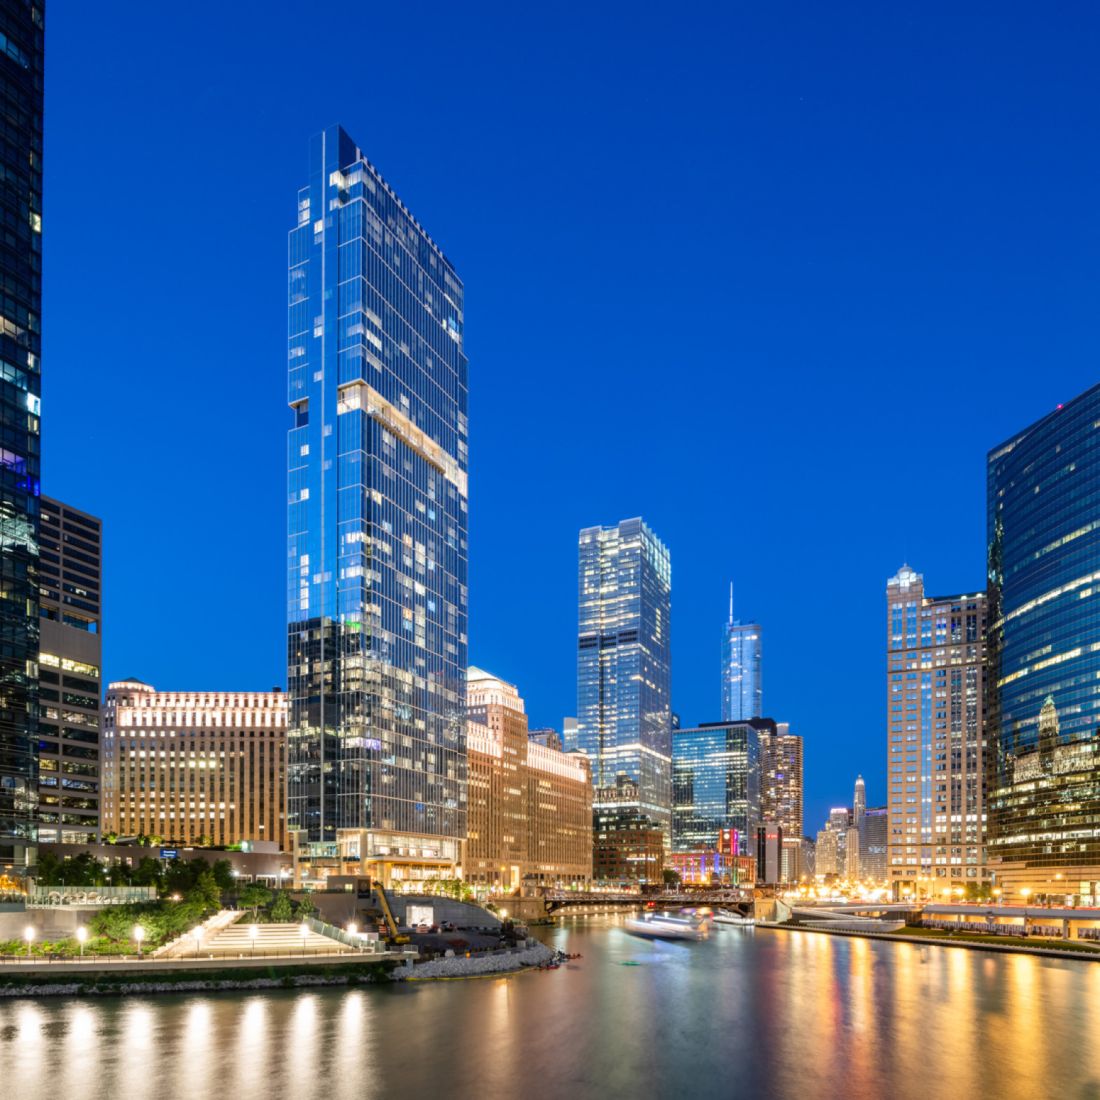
{"type": "Point", "coordinates": [774, 277]}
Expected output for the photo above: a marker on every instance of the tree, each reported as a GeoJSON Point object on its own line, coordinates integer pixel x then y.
{"type": "Point", "coordinates": [110, 838]}
{"type": "Point", "coordinates": [205, 892]}
{"type": "Point", "coordinates": [253, 896]}
{"type": "Point", "coordinates": [305, 908]}
{"type": "Point", "coordinates": [48, 871]}
{"type": "Point", "coordinates": [281, 910]}
{"type": "Point", "coordinates": [670, 877]}
{"type": "Point", "coordinates": [148, 872]}
{"type": "Point", "coordinates": [222, 870]}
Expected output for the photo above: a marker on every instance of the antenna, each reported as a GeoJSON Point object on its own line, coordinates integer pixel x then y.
{"type": "Point", "coordinates": [731, 603]}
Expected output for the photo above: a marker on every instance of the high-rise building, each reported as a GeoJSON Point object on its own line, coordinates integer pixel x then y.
{"type": "Point", "coordinates": [1044, 655]}
{"type": "Point", "coordinates": [624, 712]}
{"type": "Point", "coordinates": [69, 667]}
{"type": "Point", "coordinates": [530, 804]}
{"type": "Point", "coordinates": [872, 848]}
{"type": "Point", "coordinates": [716, 785]}
{"type": "Point", "coordinates": [377, 461]}
{"type": "Point", "coordinates": [194, 767]}
{"type": "Point", "coordinates": [21, 72]}
{"type": "Point", "coordinates": [827, 862]}
{"type": "Point", "coordinates": [628, 849]}
{"type": "Point", "coordinates": [770, 853]}
{"type": "Point", "coordinates": [936, 736]}
{"type": "Point", "coordinates": [780, 776]}
{"type": "Point", "coordinates": [742, 674]}
{"type": "Point", "coordinates": [569, 734]}
{"type": "Point", "coordinates": [852, 867]}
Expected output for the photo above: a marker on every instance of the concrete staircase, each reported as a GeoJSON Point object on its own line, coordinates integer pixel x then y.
{"type": "Point", "coordinates": [235, 941]}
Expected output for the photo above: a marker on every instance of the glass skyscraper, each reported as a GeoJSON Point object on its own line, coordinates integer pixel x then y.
{"type": "Point", "coordinates": [1044, 654]}
{"type": "Point", "coordinates": [742, 682]}
{"type": "Point", "coordinates": [624, 658]}
{"type": "Point", "coordinates": [377, 462]}
{"type": "Point", "coordinates": [21, 52]}
{"type": "Point", "coordinates": [716, 785]}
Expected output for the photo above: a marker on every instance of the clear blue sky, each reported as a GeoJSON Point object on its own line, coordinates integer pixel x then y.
{"type": "Point", "coordinates": [773, 276]}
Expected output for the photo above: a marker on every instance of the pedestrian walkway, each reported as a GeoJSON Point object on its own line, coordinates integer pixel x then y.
{"type": "Point", "coordinates": [237, 940]}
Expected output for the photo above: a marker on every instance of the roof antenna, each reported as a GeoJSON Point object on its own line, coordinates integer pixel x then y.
{"type": "Point", "coordinates": [731, 603]}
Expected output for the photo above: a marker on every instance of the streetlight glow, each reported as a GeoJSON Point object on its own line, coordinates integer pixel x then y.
{"type": "Point", "coordinates": [81, 936]}
{"type": "Point", "coordinates": [28, 935]}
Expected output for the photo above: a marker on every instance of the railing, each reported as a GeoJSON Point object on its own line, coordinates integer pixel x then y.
{"type": "Point", "coordinates": [53, 897]}
{"type": "Point", "coordinates": [358, 942]}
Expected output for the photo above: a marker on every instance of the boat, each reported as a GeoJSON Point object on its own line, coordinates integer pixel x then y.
{"type": "Point", "coordinates": [657, 926]}
{"type": "Point", "coordinates": [724, 916]}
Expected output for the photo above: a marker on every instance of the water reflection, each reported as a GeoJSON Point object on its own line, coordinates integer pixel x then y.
{"type": "Point", "coordinates": [765, 1014]}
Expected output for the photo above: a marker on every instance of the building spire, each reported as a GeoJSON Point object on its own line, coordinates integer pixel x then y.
{"type": "Point", "coordinates": [731, 603]}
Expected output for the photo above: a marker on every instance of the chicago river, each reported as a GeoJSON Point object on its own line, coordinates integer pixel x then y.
{"type": "Point", "coordinates": [748, 1013]}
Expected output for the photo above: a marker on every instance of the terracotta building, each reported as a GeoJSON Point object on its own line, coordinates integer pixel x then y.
{"type": "Point", "coordinates": [529, 804]}
{"type": "Point", "coordinates": [194, 767]}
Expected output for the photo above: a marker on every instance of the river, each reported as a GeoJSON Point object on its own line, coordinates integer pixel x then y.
{"type": "Point", "coordinates": [760, 1014]}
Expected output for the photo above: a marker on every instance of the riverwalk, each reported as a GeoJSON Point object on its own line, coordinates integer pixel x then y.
{"type": "Point", "coordinates": [957, 940]}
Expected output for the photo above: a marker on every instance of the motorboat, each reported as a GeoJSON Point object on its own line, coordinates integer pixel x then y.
{"type": "Point", "coordinates": [658, 926]}
{"type": "Point", "coordinates": [739, 920]}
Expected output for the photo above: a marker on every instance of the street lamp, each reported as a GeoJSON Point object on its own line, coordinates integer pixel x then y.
{"type": "Point", "coordinates": [1025, 893]}
{"type": "Point", "coordinates": [28, 935]}
{"type": "Point", "coordinates": [139, 935]}
{"type": "Point", "coordinates": [304, 930]}
{"type": "Point", "coordinates": [81, 936]}
{"type": "Point", "coordinates": [196, 934]}
{"type": "Point", "coordinates": [253, 932]}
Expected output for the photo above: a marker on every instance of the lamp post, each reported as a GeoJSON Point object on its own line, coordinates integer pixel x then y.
{"type": "Point", "coordinates": [253, 932]}
{"type": "Point", "coordinates": [81, 936]}
{"type": "Point", "coordinates": [196, 935]}
{"type": "Point", "coordinates": [304, 930]}
{"type": "Point", "coordinates": [139, 935]}
{"type": "Point", "coordinates": [28, 935]}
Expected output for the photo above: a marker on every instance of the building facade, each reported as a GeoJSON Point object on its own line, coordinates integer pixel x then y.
{"type": "Point", "coordinates": [628, 849]}
{"type": "Point", "coordinates": [936, 737]}
{"type": "Point", "coordinates": [21, 82]}
{"type": "Point", "coordinates": [1044, 655]}
{"type": "Point", "coordinates": [716, 785]}
{"type": "Point", "coordinates": [780, 776]}
{"type": "Point", "coordinates": [194, 767]}
{"type": "Point", "coordinates": [742, 669]}
{"type": "Point", "coordinates": [874, 835]}
{"type": "Point", "coordinates": [69, 674]}
{"type": "Point", "coordinates": [624, 712]}
{"type": "Point", "coordinates": [377, 490]}
{"type": "Point", "coordinates": [530, 803]}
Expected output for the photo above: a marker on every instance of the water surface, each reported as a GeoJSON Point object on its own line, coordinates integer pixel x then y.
{"type": "Point", "coordinates": [748, 1014]}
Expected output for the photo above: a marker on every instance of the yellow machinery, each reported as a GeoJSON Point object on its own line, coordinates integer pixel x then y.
{"type": "Point", "coordinates": [391, 924]}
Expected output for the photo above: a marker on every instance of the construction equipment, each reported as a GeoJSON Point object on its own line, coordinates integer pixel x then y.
{"type": "Point", "coordinates": [394, 936]}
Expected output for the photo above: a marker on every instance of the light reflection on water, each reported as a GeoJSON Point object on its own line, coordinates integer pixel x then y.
{"type": "Point", "coordinates": [762, 1014]}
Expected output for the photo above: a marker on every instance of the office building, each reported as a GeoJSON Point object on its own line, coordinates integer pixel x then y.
{"type": "Point", "coordinates": [742, 682]}
{"type": "Point", "coordinates": [628, 849]}
{"type": "Point", "coordinates": [716, 785]}
{"type": "Point", "coordinates": [194, 767]}
{"type": "Point", "coordinates": [21, 71]}
{"type": "Point", "coordinates": [827, 863]}
{"type": "Point", "coordinates": [769, 853]}
{"type": "Point", "coordinates": [874, 835]}
{"type": "Point", "coordinates": [1044, 656]}
{"type": "Point", "coordinates": [780, 776]}
{"type": "Point", "coordinates": [545, 736]}
{"type": "Point", "coordinates": [530, 803]}
{"type": "Point", "coordinates": [69, 666]}
{"type": "Point", "coordinates": [624, 713]}
{"type": "Point", "coordinates": [936, 737]}
{"type": "Point", "coordinates": [377, 489]}
{"type": "Point", "coordinates": [852, 867]}
{"type": "Point", "coordinates": [569, 734]}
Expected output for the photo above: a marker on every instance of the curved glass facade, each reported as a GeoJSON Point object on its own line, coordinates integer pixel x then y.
{"type": "Point", "coordinates": [1044, 652]}
{"type": "Point", "coordinates": [376, 523]}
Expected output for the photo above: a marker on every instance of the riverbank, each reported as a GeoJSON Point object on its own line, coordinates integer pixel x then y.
{"type": "Point", "coordinates": [974, 941]}
{"type": "Point", "coordinates": [479, 966]}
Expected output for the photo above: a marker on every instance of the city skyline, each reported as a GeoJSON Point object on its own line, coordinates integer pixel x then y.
{"type": "Point", "coordinates": [468, 203]}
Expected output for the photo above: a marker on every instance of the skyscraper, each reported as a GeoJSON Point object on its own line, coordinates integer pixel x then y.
{"type": "Point", "coordinates": [21, 68]}
{"type": "Point", "coordinates": [377, 460]}
{"type": "Point", "coordinates": [1044, 655]}
{"type": "Point", "coordinates": [859, 802]}
{"type": "Point", "coordinates": [935, 723]}
{"type": "Point", "coordinates": [69, 668]}
{"type": "Point", "coordinates": [742, 683]}
{"type": "Point", "coordinates": [716, 785]}
{"type": "Point", "coordinates": [780, 776]}
{"type": "Point", "coordinates": [624, 713]}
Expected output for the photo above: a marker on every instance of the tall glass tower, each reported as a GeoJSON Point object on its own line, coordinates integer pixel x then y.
{"type": "Point", "coordinates": [21, 49]}
{"type": "Point", "coordinates": [624, 662]}
{"type": "Point", "coordinates": [377, 461]}
{"type": "Point", "coordinates": [742, 683]}
{"type": "Point", "coordinates": [1043, 515]}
